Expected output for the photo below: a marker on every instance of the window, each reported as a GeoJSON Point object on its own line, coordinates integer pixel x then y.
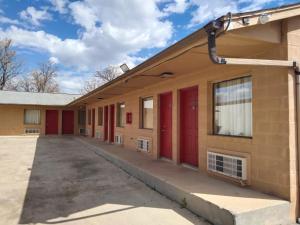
{"type": "Point", "coordinates": [89, 117]}
{"type": "Point", "coordinates": [121, 114]}
{"type": "Point", "coordinates": [81, 117]}
{"type": "Point", "coordinates": [32, 116]}
{"type": "Point", "coordinates": [233, 107]}
{"type": "Point", "coordinates": [147, 113]}
{"type": "Point", "coordinates": [100, 116]}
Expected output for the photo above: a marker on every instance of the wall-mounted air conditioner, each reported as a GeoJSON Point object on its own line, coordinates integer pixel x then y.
{"type": "Point", "coordinates": [87, 132]}
{"type": "Point", "coordinates": [118, 139]}
{"type": "Point", "coordinates": [228, 165]}
{"type": "Point", "coordinates": [143, 144]}
{"type": "Point", "coordinates": [81, 131]}
{"type": "Point", "coordinates": [98, 135]}
{"type": "Point", "coordinates": [32, 131]}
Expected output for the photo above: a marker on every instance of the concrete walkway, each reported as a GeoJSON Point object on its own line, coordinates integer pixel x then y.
{"type": "Point", "coordinates": [55, 180]}
{"type": "Point", "coordinates": [218, 201]}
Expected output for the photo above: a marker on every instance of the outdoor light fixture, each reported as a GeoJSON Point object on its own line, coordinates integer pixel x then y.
{"type": "Point", "coordinates": [166, 75]}
{"type": "Point", "coordinates": [264, 18]}
{"type": "Point", "coordinates": [124, 67]}
{"type": "Point", "coordinates": [246, 21]}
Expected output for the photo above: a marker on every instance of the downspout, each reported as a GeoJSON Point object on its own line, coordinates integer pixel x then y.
{"type": "Point", "coordinates": [297, 81]}
{"type": "Point", "coordinates": [213, 30]}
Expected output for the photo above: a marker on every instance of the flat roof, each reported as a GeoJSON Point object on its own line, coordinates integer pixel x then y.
{"type": "Point", "coordinates": [33, 98]}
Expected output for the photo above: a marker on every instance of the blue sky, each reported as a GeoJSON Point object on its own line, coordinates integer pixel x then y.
{"type": "Point", "coordinates": [88, 35]}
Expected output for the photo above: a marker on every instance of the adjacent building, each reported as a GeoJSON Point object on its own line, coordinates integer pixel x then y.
{"type": "Point", "coordinates": [39, 113]}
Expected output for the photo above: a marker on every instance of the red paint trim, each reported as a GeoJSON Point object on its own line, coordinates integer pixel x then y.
{"type": "Point", "coordinates": [112, 123]}
{"type": "Point", "coordinates": [51, 122]}
{"type": "Point", "coordinates": [106, 123]}
{"type": "Point", "coordinates": [165, 115]}
{"type": "Point", "coordinates": [67, 122]}
{"type": "Point", "coordinates": [129, 118]}
{"type": "Point", "coordinates": [93, 122]}
{"type": "Point", "coordinates": [189, 126]}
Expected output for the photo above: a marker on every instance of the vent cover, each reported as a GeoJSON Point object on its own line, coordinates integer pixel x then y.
{"type": "Point", "coordinates": [231, 166]}
{"type": "Point", "coordinates": [87, 132]}
{"type": "Point", "coordinates": [98, 135]}
{"type": "Point", "coordinates": [81, 131]}
{"type": "Point", "coordinates": [143, 145]}
{"type": "Point", "coordinates": [118, 139]}
{"type": "Point", "coordinates": [32, 130]}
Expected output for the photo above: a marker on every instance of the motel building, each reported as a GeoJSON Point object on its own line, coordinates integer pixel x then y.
{"type": "Point", "coordinates": [212, 122]}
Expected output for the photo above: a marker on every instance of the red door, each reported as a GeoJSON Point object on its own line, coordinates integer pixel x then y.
{"type": "Point", "coordinates": [166, 125]}
{"type": "Point", "coordinates": [93, 122]}
{"type": "Point", "coordinates": [67, 122]}
{"type": "Point", "coordinates": [189, 126]}
{"type": "Point", "coordinates": [112, 123]}
{"type": "Point", "coordinates": [105, 123]}
{"type": "Point", "coordinates": [51, 122]}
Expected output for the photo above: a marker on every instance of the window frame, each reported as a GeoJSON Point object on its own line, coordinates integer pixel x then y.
{"type": "Point", "coordinates": [89, 117]}
{"type": "Point", "coordinates": [142, 112]}
{"type": "Point", "coordinates": [118, 121]}
{"type": "Point", "coordinates": [84, 119]}
{"type": "Point", "coordinates": [39, 123]}
{"type": "Point", "coordinates": [100, 118]}
{"type": "Point", "coordinates": [213, 109]}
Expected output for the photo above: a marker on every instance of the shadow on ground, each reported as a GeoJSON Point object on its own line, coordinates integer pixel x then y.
{"type": "Point", "coordinates": [66, 179]}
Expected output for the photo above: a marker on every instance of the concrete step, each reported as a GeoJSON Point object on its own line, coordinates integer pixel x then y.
{"type": "Point", "coordinates": [219, 202]}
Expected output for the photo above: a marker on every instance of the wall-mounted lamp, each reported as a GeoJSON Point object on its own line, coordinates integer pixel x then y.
{"type": "Point", "coordinates": [166, 75]}
{"type": "Point", "coordinates": [124, 67]}
{"type": "Point", "coordinates": [264, 18]}
{"type": "Point", "coordinates": [246, 21]}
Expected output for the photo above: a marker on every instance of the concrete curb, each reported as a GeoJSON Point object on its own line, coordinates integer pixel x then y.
{"type": "Point", "coordinates": [275, 215]}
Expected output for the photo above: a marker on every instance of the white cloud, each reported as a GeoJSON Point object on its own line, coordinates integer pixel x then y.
{"type": "Point", "coordinates": [84, 15]}
{"type": "Point", "coordinates": [34, 16]}
{"type": "Point", "coordinates": [176, 6]}
{"type": "Point", "coordinates": [112, 33]}
{"type": "Point", "coordinates": [53, 60]}
{"type": "Point", "coordinates": [71, 82]}
{"type": "Point", "coordinates": [208, 10]}
{"type": "Point", "coordinates": [60, 5]}
{"type": "Point", "coordinates": [6, 20]}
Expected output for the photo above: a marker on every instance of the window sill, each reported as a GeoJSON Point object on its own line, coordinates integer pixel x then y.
{"type": "Point", "coordinates": [227, 137]}
{"type": "Point", "coordinates": [150, 129]}
{"type": "Point", "coordinates": [232, 136]}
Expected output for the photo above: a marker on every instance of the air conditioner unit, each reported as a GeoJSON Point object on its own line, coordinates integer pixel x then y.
{"type": "Point", "coordinates": [143, 144]}
{"type": "Point", "coordinates": [32, 130]}
{"type": "Point", "coordinates": [81, 131]}
{"type": "Point", "coordinates": [98, 135]}
{"type": "Point", "coordinates": [87, 132]}
{"type": "Point", "coordinates": [118, 139]}
{"type": "Point", "coordinates": [228, 165]}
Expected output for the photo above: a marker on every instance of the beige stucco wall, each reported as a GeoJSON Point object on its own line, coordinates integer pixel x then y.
{"type": "Point", "coordinates": [268, 149]}
{"type": "Point", "coordinates": [292, 41]}
{"type": "Point", "coordinates": [12, 119]}
{"type": "Point", "coordinates": [271, 152]}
